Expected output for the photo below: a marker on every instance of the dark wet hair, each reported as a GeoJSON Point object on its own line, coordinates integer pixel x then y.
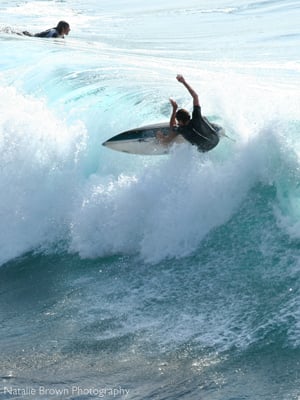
{"type": "Point", "coordinates": [183, 115]}
{"type": "Point", "coordinates": [61, 26]}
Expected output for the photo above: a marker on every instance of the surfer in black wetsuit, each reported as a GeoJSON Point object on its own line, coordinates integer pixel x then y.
{"type": "Point", "coordinates": [62, 29]}
{"type": "Point", "coordinates": [197, 130]}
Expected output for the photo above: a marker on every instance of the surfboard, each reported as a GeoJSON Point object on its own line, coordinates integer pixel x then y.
{"type": "Point", "coordinates": [143, 140]}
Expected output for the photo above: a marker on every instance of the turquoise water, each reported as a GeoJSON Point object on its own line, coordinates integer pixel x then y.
{"type": "Point", "coordinates": [136, 277]}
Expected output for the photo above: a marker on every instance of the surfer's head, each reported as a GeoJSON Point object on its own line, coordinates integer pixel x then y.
{"type": "Point", "coordinates": [182, 116]}
{"type": "Point", "coordinates": [63, 28]}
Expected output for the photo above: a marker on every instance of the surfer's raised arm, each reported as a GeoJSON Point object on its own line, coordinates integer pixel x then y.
{"type": "Point", "coordinates": [173, 115]}
{"type": "Point", "coordinates": [192, 92]}
{"type": "Point", "coordinates": [166, 139]}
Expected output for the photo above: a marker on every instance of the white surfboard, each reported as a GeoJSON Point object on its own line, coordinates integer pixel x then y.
{"type": "Point", "coordinates": [143, 140]}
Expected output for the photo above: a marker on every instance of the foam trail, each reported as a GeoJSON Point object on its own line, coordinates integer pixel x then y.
{"type": "Point", "coordinates": [158, 213]}
{"type": "Point", "coordinates": [39, 164]}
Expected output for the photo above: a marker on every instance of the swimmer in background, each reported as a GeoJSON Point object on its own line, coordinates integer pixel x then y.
{"type": "Point", "coordinates": [62, 29]}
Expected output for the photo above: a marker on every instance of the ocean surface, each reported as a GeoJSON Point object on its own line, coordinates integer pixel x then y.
{"type": "Point", "coordinates": [166, 277]}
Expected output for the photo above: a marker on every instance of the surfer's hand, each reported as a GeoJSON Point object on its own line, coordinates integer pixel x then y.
{"type": "Point", "coordinates": [161, 138]}
{"type": "Point", "coordinates": [159, 135]}
{"type": "Point", "coordinates": [180, 78]}
{"type": "Point", "coordinates": [174, 104]}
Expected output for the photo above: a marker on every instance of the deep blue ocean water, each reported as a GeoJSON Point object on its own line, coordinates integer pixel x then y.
{"type": "Point", "coordinates": [168, 277]}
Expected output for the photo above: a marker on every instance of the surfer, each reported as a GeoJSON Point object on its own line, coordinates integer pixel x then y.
{"type": "Point", "coordinates": [62, 29]}
{"type": "Point", "coordinates": [196, 129]}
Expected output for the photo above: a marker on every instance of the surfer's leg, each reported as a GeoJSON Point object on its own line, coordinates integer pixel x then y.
{"type": "Point", "coordinates": [26, 33]}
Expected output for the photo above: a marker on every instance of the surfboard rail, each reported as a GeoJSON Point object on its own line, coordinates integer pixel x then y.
{"type": "Point", "coordinates": [143, 140]}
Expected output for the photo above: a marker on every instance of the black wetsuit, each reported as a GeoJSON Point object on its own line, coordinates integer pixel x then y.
{"type": "Point", "coordinates": [199, 131]}
{"type": "Point", "coordinates": [49, 33]}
